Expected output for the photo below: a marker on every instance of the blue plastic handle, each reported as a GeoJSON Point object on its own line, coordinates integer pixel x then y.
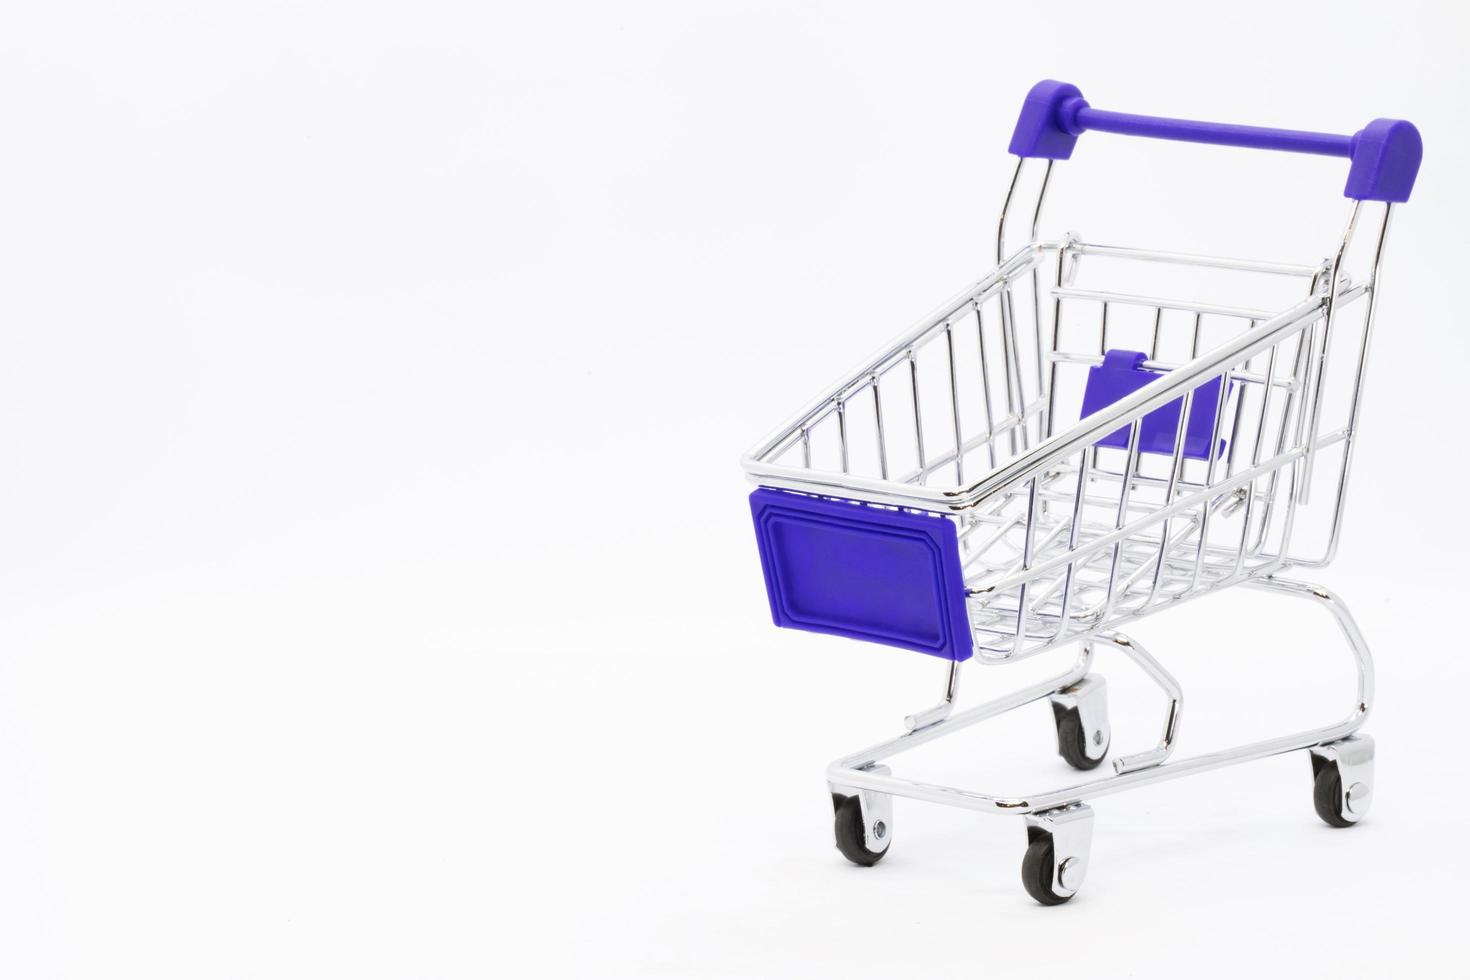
{"type": "Point", "coordinates": [1385, 154]}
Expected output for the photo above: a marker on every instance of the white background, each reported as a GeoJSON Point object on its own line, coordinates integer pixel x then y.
{"type": "Point", "coordinates": [378, 597]}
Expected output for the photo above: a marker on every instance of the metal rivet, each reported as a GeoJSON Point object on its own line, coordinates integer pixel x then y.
{"type": "Point", "coordinates": [879, 829]}
{"type": "Point", "coordinates": [1358, 795]}
{"type": "Point", "coordinates": [1069, 873]}
{"type": "Point", "coordinates": [1097, 737]}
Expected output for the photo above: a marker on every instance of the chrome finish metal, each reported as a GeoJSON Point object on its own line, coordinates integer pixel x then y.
{"type": "Point", "coordinates": [1070, 829]}
{"type": "Point", "coordinates": [850, 770]}
{"type": "Point", "coordinates": [853, 770]}
{"type": "Point", "coordinates": [1061, 540]}
{"type": "Point", "coordinates": [1170, 686]}
{"type": "Point", "coordinates": [1089, 698]}
{"type": "Point", "coordinates": [1354, 759]}
{"type": "Point", "coordinates": [1064, 541]}
{"type": "Point", "coordinates": [1335, 535]}
{"type": "Point", "coordinates": [940, 711]}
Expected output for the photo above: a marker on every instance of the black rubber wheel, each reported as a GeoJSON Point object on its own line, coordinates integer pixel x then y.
{"type": "Point", "coordinates": [852, 837]}
{"type": "Point", "coordinates": [1072, 741]}
{"type": "Point", "coordinates": [1327, 792]}
{"type": "Point", "coordinates": [1036, 870]}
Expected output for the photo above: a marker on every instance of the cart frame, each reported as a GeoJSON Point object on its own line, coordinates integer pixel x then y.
{"type": "Point", "coordinates": [1154, 555]}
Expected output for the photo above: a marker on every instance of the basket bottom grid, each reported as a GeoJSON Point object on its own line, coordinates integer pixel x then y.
{"type": "Point", "coordinates": [1105, 581]}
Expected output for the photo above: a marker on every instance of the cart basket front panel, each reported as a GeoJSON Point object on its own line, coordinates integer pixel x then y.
{"type": "Point", "coordinates": [870, 573]}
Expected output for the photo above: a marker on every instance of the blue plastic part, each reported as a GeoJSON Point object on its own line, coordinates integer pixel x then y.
{"type": "Point", "coordinates": [1121, 374]}
{"type": "Point", "coordinates": [1044, 129]}
{"type": "Point", "coordinates": [865, 572]}
{"type": "Point", "coordinates": [1385, 154]}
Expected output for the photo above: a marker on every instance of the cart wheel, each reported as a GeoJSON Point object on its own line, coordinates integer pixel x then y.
{"type": "Point", "coordinates": [1327, 795]}
{"type": "Point", "coordinates": [1036, 870]}
{"type": "Point", "coordinates": [1072, 740]}
{"type": "Point", "coordinates": [852, 837]}
{"type": "Point", "coordinates": [1058, 845]}
{"type": "Point", "coordinates": [1342, 780]}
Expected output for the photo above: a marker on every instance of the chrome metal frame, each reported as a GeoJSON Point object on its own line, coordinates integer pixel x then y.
{"type": "Point", "coordinates": [856, 770]}
{"type": "Point", "coordinates": [1065, 542]}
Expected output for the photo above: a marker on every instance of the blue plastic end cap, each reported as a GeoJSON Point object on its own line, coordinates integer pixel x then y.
{"type": "Point", "coordinates": [1386, 155]}
{"type": "Point", "coordinates": [1048, 125]}
{"type": "Point", "coordinates": [868, 573]}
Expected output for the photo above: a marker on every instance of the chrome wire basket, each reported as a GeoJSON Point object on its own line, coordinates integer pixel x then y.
{"type": "Point", "coordinates": [1085, 436]}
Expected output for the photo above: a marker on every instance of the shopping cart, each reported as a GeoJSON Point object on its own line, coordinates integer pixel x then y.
{"type": "Point", "coordinates": [1061, 449]}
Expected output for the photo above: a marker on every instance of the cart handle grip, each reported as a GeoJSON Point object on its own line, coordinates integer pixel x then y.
{"type": "Point", "coordinates": [1385, 154]}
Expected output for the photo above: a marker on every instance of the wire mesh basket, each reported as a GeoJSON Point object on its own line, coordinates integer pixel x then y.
{"type": "Point", "coordinates": [1085, 436]}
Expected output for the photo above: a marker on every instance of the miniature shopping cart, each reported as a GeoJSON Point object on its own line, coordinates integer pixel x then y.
{"type": "Point", "coordinates": [1087, 435]}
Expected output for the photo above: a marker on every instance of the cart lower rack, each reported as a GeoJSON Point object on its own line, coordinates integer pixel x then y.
{"type": "Point", "coordinates": [1069, 445]}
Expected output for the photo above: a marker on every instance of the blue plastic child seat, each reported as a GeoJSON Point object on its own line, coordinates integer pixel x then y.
{"type": "Point", "coordinates": [1121, 374]}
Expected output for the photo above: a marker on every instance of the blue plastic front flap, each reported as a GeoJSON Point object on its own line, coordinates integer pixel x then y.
{"type": "Point", "coordinates": [865, 572]}
{"type": "Point", "coordinates": [1121, 374]}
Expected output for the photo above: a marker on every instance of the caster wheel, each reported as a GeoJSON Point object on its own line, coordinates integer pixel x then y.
{"type": "Point", "coordinates": [1342, 780]}
{"type": "Point", "coordinates": [852, 836]}
{"type": "Point", "coordinates": [1327, 794]}
{"type": "Point", "coordinates": [1037, 870]}
{"type": "Point", "coordinates": [1073, 740]}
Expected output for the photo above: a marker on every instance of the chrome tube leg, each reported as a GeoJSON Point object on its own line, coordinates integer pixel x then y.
{"type": "Point", "coordinates": [940, 711]}
{"type": "Point", "coordinates": [1342, 766]}
{"type": "Point", "coordinates": [1362, 656]}
{"type": "Point", "coordinates": [860, 770]}
{"type": "Point", "coordinates": [1166, 682]}
{"type": "Point", "coordinates": [855, 769]}
{"type": "Point", "coordinates": [1059, 823]}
